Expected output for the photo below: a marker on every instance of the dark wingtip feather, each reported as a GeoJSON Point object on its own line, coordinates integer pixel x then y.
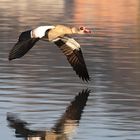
{"type": "Point", "coordinates": [24, 44]}
{"type": "Point", "coordinates": [21, 48]}
{"type": "Point", "coordinates": [86, 79]}
{"type": "Point", "coordinates": [80, 68]}
{"type": "Point", "coordinates": [10, 57]}
{"type": "Point", "coordinates": [15, 53]}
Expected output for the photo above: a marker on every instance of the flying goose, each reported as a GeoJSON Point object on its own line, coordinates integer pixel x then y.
{"type": "Point", "coordinates": [58, 35]}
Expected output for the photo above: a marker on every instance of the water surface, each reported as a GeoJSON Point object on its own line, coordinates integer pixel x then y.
{"type": "Point", "coordinates": [41, 85]}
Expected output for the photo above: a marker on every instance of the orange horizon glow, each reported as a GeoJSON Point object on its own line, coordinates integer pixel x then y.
{"type": "Point", "coordinates": [104, 9]}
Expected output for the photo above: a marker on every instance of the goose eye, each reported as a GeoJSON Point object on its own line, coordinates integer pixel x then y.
{"type": "Point", "coordinates": [81, 28]}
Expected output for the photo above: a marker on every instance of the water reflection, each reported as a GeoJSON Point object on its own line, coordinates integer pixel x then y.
{"type": "Point", "coordinates": [64, 127]}
{"type": "Point", "coordinates": [42, 85]}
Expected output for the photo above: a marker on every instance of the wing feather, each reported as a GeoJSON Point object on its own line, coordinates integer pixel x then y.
{"type": "Point", "coordinates": [74, 56]}
{"type": "Point", "coordinates": [24, 44]}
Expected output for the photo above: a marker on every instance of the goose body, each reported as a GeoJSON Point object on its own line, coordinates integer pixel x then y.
{"type": "Point", "coordinates": [57, 35]}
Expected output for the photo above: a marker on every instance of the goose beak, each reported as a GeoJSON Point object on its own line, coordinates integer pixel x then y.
{"type": "Point", "coordinates": [87, 31]}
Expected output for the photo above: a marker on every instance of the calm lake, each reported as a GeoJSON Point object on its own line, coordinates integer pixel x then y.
{"type": "Point", "coordinates": [42, 89]}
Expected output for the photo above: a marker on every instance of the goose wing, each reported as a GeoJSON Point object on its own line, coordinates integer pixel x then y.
{"type": "Point", "coordinates": [24, 44]}
{"type": "Point", "coordinates": [73, 52]}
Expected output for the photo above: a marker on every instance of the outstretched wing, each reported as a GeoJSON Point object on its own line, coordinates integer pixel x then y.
{"type": "Point", "coordinates": [72, 51]}
{"type": "Point", "coordinates": [24, 44]}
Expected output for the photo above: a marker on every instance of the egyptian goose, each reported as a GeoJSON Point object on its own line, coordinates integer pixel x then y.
{"type": "Point", "coordinates": [58, 35]}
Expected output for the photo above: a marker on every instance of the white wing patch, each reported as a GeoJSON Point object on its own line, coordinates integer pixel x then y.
{"type": "Point", "coordinates": [33, 138]}
{"type": "Point", "coordinates": [73, 44]}
{"type": "Point", "coordinates": [39, 32]}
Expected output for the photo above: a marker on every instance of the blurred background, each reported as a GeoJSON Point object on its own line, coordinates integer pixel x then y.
{"type": "Point", "coordinates": [40, 85]}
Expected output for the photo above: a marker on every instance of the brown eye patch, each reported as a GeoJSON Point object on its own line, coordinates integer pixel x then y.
{"type": "Point", "coordinates": [81, 28]}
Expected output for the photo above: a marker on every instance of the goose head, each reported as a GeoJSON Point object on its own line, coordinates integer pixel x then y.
{"type": "Point", "coordinates": [81, 30]}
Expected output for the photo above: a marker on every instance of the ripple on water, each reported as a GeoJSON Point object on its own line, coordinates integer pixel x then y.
{"type": "Point", "coordinates": [42, 84]}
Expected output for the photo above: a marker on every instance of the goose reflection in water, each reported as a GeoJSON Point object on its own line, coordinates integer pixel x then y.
{"type": "Point", "coordinates": [64, 127]}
